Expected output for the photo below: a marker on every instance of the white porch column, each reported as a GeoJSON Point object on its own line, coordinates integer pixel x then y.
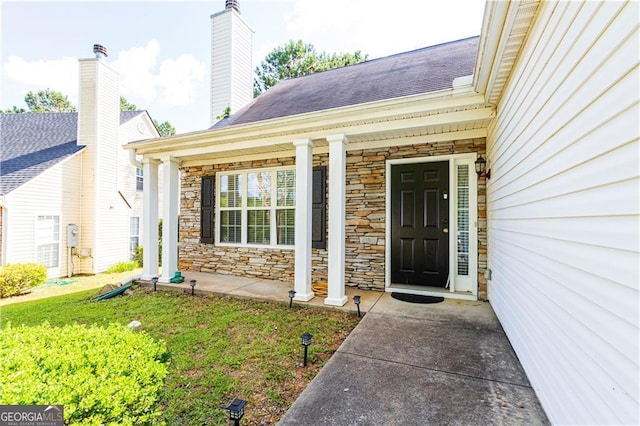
{"type": "Point", "coordinates": [337, 202]}
{"type": "Point", "coordinates": [170, 204]}
{"type": "Point", "coordinates": [150, 218]}
{"type": "Point", "coordinates": [304, 189]}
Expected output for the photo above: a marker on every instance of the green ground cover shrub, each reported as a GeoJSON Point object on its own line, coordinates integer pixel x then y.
{"type": "Point", "coordinates": [101, 375]}
{"type": "Point", "coordinates": [17, 277]}
{"type": "Point", "coordinates": [122, 267]}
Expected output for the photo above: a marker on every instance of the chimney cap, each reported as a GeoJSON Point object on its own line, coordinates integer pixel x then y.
{"type": "Point", "coordinates": [100, 51]}
{"type": "Point", "coordinates": [232, 4]}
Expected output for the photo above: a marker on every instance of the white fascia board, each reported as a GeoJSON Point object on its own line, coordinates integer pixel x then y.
{"type": "Point", "coordinates": [356, 129]}
{"type": "Point", "coordinates": [304, 124]}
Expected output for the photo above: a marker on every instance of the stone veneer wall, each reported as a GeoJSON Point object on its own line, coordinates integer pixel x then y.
{"type": "Point", "coordinates": [365, 220]}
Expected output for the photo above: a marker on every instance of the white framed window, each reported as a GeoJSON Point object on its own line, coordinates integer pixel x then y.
{"type": "Point", "coordinates": [134, 234]}
{"type": "Point", "coordinates": [48, 241]}
{"type": "Point", "coordinates": [256, 207]}
{"type": "Point", "coordinates": [139, 179]}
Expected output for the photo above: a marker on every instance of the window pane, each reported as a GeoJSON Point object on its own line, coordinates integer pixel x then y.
{"type": "Point", "coordinates": [48, 240]}
{"type": "Point", "coordinates": [286, 188]}
{"type": "Point", "coordinates": [463, 220]}
{"type": "Point", "coordinates": [231, 226]}
{"type": "Point", "coordinates": [231, 191]}
{"type": "Point", "coordinates": [259, 227]}
{"type": "Point", "coordinates": [134, 234]}
{"type": "Point", "coordinates": [259, 189]}
{"type": "Point", "coordinates": [285, 222]}
{"type": "Point", "coordinates": [139, 179]}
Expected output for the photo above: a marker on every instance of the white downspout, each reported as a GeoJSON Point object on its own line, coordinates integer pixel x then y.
{"type": "Point", "coordinates": [132, 159]}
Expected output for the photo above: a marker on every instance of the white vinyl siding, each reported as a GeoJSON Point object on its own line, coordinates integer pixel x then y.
{"type": "Point", "coordinates": [231, 63]}
{"type": "Point", "coordinates": [563, 211]}
{"type": "Point", "coordinates": [57, 191]}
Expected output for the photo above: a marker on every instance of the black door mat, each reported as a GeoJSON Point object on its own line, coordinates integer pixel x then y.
{"type": "Point", "coordinates": [416, 298]}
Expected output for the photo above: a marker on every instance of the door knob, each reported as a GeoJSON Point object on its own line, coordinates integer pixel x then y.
{"type": "Point", "coordinates": [445, 230]}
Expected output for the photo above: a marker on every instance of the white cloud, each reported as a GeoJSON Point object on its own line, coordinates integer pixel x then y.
{"type": "Point", "coordinates": [58, 74]}
{"type": "Point", "coordinates": [144, 80]}
{"type": "Point", "coordinates": [179, 80]}
{"type": "Point", "coordinates": [379, 28]}
{"type": "Point", "coordinates": [173, 82]}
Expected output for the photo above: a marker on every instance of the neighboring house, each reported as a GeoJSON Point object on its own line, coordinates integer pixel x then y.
{"type": "Point", "coordinates": [63, 169]}
{"type": "Point", "coordinates": [365, 176]}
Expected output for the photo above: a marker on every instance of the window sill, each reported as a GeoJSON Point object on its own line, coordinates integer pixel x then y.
{"type": "Point", "coordinates": [256, 246]}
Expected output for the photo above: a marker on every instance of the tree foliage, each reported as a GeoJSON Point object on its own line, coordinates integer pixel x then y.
{"type": "Point", "coordinates": [165, 128]}
{"type": "Point", "coordinates": [44, 101]}
{"type": "Point", "coordinates": [48, 101]}
{"type": "Point", "coordinates": [126, 106]}
{"type": "Point", "coordinates": [295, 59]}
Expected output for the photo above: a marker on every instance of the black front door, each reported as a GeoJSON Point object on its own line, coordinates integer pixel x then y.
{"type": "Point", "coordinates": [420, 224]}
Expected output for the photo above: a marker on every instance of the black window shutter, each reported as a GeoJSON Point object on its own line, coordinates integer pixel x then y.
{"type": "Point", "coordinates": [319, 208]}
{"type": "Point", "coordinates": [207, 210]}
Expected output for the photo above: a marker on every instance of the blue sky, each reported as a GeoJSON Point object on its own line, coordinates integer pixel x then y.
{"type": "Point", "coordinates": [162, 49]}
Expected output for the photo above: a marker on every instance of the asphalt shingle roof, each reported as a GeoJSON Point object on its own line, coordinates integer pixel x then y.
{"type": "Point", "coordinates": [30, 143]}
{"type": "Point", "coordinates": [419, 71]}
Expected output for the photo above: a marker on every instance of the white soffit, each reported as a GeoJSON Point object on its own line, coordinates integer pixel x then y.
{"type": "Point", "coordinates": [502, 44]}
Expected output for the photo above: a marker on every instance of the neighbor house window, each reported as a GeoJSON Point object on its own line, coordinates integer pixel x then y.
{"type": "Point", "coordinates": [48, 241]}
{"type": "Point", "coordinates": [139, 179]}
{"type": "Point", "coordinates": [257, 207]}
{"type": "Point", "coordinates": [134, 235]}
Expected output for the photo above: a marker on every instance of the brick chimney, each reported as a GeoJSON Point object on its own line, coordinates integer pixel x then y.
{"type": "Point", "coordinates": [231, 61]}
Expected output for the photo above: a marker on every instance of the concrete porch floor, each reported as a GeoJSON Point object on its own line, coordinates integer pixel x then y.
{"type": "Point", "coordinates": [259, 289]}
{"type": "Point", "coordinates": [404, 363]}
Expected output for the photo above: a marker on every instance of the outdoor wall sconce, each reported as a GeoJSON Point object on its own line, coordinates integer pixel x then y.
{"type": "Point", "coordinates": [192, 283]}
{"type": "Point", "coordinates": [306, 341]}
{"type": "Point", "coordinates": [292, 294]}
{"type": "Point", "coordinates": [481, 168]}
{"type": "Point", "coordinates": [356, 300]}
{"type": "Point", "coordinates": [236, 410]}
{"type": "Point", "coordinates": [154, 280]}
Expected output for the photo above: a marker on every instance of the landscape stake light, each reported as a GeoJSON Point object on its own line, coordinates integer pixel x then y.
{"type": "Point", "coordinates": [306, 341]}
{"type": "Point", "coordinates": [192, 283]}
{"type": "Point", "coordinates": [236, 410]}
{"type": "Point", "coordinates": [154, 280]}
{"type": "Point", "coordinates": [292, 294]}
{"type": "Point", "coordinates": [356, 300]}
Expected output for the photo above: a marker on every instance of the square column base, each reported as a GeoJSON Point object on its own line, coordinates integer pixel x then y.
{"type": "Point", "coordinates": [336, 302]}
{"type": "Point", "coordinates": [300, 297]}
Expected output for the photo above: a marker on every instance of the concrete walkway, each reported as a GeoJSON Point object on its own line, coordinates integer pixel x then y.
{"type": "Point", "coordinates": [409, 364]}
{"type": "Point", "coordinates": [405, 363]}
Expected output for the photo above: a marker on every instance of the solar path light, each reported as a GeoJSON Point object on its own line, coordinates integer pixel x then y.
{"type": "Point", "coordinates": [292, 294]}
{"type": "Point", "coordinates": [306, 341]}
{"type": "Point", "coordinates": [192, 283]}
{"type": "Point", "coordinates": [154, 280]}
{"type": "Point", "coordinates": [356, 300]}
{"type": "Point", "coordinates": [236, 410]}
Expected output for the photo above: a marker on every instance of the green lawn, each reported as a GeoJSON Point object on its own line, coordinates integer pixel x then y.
{"type": "Point", "coordinates": [221, 347]}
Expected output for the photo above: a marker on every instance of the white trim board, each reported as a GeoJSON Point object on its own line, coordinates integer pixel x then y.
{"type": "Point", "coordinates": [461, 287]}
